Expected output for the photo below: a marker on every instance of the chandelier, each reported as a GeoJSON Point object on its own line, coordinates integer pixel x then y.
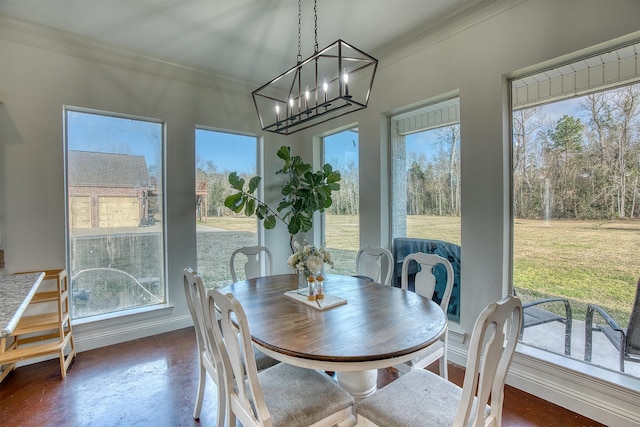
{"type": "Point", "coordinates": [332, 82]}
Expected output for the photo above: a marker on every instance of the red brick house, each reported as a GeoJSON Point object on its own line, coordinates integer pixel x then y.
{"type": "Point", "coordinates": [108, 190]}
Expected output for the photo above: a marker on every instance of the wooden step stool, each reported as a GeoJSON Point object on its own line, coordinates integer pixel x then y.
{"type": "Point", "coordinates": [47, 332]}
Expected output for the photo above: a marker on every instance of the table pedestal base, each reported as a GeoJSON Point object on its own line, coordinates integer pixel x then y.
{"type": "Point", "coordinates": [359, 384]}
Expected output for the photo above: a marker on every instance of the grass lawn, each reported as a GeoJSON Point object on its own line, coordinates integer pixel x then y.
{"type": "Point", "coordinates": [585, 261]}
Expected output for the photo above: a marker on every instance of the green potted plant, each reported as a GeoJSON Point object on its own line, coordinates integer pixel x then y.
{"type": "Point", "coordinates": [305, 193]}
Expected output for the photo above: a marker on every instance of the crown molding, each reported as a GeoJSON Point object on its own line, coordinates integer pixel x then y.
{"type": "Point", "coordinates": [65, 43]}
{"type": "Point", "coordinates": [452, 24]}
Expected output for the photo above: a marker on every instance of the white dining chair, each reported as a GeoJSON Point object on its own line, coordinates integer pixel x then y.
{"type": "Point", "coordinates": [422, 398]}
{"type": "Point", "coordinates": [209, 358]}
{"type": "Point", "coordinates": [255, 257]}
{"type": "Point", "coordinates": [283, 395]}
{"type": "Point", "coordinates": [425, 285]}
{"type": "Point", "coordinates": [371, 262]}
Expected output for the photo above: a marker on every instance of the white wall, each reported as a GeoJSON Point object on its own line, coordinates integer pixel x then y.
{"type": "Point", "coordinates": [475, 60]}
{"type": "Point", "coordinates": [473, 55]}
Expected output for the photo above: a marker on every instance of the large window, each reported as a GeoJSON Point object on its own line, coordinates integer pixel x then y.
{"type": "Point", "coordinates": [576, 204]}
{"type": "Point", "coordinates": [115, 212]}
{"type": "Point", "coordinates": [425, 147]}
{"type": "Point", "coordinates": [425, 190]}
{"type": "Point", "coordinates": [342, 220]}
{"type": "Point", "coordinates": [219, 231]}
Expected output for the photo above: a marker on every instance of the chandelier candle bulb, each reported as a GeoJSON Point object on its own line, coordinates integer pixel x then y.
{"type": "Point", "coordinates": [306, 98]}
{"type": "Point", "coordinates": [277, 113]}
{"type": "Point", "coordinates": [345, 77]}
{"type": "Point", "coordinates": [325, 87]}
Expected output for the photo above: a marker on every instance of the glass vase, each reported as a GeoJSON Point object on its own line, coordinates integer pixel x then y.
{"type": "Point", "coordinates": [303, 286]}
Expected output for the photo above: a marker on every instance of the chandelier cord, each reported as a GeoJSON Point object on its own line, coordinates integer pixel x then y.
{"type": "Point", "coordinates": [315, 17]}
{"type": "Point", "coordinates": [299, 58]}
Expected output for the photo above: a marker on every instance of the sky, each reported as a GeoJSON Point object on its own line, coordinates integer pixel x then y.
{"type": "Point", "coordinates": [232, 152]}
{"type": "Point", "coordinates": [229, 152]}
{"type": "Point", "coordinates": [108, 134]}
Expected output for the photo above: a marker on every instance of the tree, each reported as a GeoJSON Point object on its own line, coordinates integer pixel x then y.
{"type": "Point", "coordinates": [528, 188]}
{"type": "Point", "coordinates": [613, 130]}
{"type": "Point", "coordinates": [563, 164]}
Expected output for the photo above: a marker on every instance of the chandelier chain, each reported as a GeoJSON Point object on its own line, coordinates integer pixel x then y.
{"type": "Point", "coordinates": [315, 90]}
{"type": "Point", "coordinates": [315, 17]}
{"type": "Point", "coordinates": [299, 31]}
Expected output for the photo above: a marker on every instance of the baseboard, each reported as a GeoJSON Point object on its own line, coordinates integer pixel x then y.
{"type": "Point", "coordinates": [607, 397]}
{"type": "Point", "coordinates": [100, 337]}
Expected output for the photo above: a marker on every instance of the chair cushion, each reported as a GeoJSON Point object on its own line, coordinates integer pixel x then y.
{"type": "Point", "coordinates": [613, 335]}
{"type": "Point", "coordinates": [418, 398]}
{"type": "Point", "coordinates": [536, 316]}
{"type": "Point", "coordinates": [299, 397]}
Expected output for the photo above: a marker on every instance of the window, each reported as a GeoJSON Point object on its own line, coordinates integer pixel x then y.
{"type": "Point", "coordinates": [115, 211]}
{"type": "Point", "coordinates": [426, 172]}
{"type": "Point", "coordinates": [342, 220]}
{"type": "Point", "coordinates": [218, 230]}
{"type": "Point", "coordinates": [575, 188]}
{"type": "Point", "coordinates": [425, 190]}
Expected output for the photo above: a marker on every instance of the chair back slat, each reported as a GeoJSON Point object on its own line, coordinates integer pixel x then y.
{"type": "Point", "coordinates": [209, 355]}
{"type": "Point", "coordinates": [258, 260]}
{"type": "Point", "coordinates": [242, 385]}
{"type": "Point", "coordinates": [195, 294]}
{"type": "Point", "coordinates": [373, 261]}
{"type": "Point", "coordinates": [491, 349]}
{"type": "Point", "coordinates": [633, 330]}
{"type": "Point", "coordinates": [425, 280]}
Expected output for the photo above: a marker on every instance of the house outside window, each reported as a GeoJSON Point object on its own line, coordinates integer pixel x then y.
{"type": "Point", "coordinates": [115, 211]}
{"type": "Point", "coordinates": [219, 231]}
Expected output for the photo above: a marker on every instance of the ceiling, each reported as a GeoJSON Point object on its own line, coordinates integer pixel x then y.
{"type": "Point", "coordinates": [249, 40]}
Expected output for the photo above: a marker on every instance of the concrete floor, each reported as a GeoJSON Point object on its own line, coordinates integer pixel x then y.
{"type": "Point", "coordinates": [550, 337]}
{"type": "Point", "coordinates": [152, 382]}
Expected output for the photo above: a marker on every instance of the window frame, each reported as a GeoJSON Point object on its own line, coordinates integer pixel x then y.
{"type": "Point", "coordinates": [559, 365]}
{"type": "Point", "coordinates": [259, 166]}
{"type": "Point", "coordinates": [160, 306]}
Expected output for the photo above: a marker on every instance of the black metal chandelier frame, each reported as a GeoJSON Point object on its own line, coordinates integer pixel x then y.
{"type": "Point", "coordinates": [334, 81]}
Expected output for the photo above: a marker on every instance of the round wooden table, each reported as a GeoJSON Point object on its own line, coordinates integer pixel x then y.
{"type": "Point", "coordinates": [378, 327]}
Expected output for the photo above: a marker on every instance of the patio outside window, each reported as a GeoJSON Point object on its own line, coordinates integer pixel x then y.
{"type": "Point", "coordinates": [425, 188]}
{"type": "Point", "coordinates": [575, 199]}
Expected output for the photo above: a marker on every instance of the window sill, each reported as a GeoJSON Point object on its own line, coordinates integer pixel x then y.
{"type": "Point", "coordinates": [609, 397]}
{"type": "Point", "coordinates": [526, 353]}
{"type": "Point", "coordinates": [127, 316]}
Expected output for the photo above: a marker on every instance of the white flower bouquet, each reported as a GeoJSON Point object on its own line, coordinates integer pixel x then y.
{"type": "Point", "coordinates": [308, 259]}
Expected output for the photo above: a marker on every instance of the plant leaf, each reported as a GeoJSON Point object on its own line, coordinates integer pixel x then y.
{"type": "Point", "coordinates": [284, 153]}
{"type": "Point", "coordinates": [294, 226]}
{"type": "Point", "coordinates": [235, 202]}
{"type": "Point", "coordinates": [250, 207]}
{"type": "Point", "coordinates": [269, 222]}
{"type": "Point", "coordinates": [253, 184]}
{"type": "Point", "coordinates": [333, 177]}
{"type": "Point", "coordinates": [236, 182]}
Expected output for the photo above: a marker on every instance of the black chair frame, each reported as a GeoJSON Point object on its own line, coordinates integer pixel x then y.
{"type": "Point", "coordinates": [534, 315]}
{"type": "Point", "coordinates": [626, 341]}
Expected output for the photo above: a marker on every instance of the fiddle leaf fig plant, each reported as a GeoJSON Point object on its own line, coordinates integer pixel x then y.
{"type": "Point", "coordinates": [303, 194]}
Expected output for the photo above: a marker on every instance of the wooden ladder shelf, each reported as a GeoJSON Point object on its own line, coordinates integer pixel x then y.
{"type": "Point", "coordinates": [45, 332]}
